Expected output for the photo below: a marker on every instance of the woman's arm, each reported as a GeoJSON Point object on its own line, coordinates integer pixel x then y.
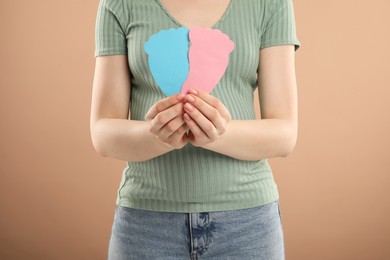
{"type": "Point", "coordinates": [274, 135]}
{"type": "Point", "coordinates": [113, 133]}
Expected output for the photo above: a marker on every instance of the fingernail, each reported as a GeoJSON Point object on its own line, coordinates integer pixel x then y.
{"type": "Point", "coordinates": [193, 91]}
{"type": "Point", "coordinates": [188, 107]}
{"type": "Point", "coordinates": [180, 96]}
{"type": "Point", "coordinates": [190, 98]}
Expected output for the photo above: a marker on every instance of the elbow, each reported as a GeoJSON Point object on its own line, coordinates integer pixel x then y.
{"type": "Point", "coordinates": [97, 143]}
{"type": "Point", "coordinates": [288, 150]}
{"type": "Point", "coordinates": [99, 148]}
{"type": "Point", "coordinates": [289, 143]}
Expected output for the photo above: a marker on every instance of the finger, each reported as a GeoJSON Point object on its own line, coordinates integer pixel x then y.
{"type": "Point", "coordinates": [167, 115]}
{"type": "Point", "coordinates": [180, 135]}
{"type": "Point", "coordinates": [163, 105]}
{"type": "Point", "coordinates": [196, 133]}
{"type": "Point", "coordinates": [172, 126]}
{"type": "Point", "coordinates": [207, 110]}
{"type": "Point", "coordinates": [212, 101]}
{"type": "Point", "coordinates": [202, 121]}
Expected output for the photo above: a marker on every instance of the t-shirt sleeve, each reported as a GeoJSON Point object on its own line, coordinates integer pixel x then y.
{"type": "Point", "coordinates": [280, 25]}
{"type": "Point", "coordinates": [110, 32]}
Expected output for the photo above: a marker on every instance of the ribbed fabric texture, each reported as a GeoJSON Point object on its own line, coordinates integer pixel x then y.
{"type": "Point", "coordinates": [194, 179]}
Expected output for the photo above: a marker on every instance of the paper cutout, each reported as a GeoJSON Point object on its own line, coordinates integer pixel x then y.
{"type": "Point", "coordinates": [168, 58]}
{"type": "Point", "coordinates": [208, 58]}
{"type": "Point", "coordinates": [181, 59]}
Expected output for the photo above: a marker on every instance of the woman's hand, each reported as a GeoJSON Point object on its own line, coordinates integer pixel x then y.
{"type": "Point", "coordinates": [206, 117]}
{"type": "Point", "coordinates": [166, 121]}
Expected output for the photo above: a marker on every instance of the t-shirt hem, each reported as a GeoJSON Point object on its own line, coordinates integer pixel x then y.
{"type": "Point", "coordinates": [185, 207]}
{"type": "Point", "coordinates": [297, 44]}
{"type": "Point", "coordinates": [110, 52]}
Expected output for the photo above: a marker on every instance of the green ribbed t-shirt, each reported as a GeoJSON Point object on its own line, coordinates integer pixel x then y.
{"type": "Point", "coordinates": [194, 179]}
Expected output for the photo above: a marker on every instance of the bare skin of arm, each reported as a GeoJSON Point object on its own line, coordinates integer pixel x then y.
{"type": "Point", "coordinates": [274, 135]}
{"type": "Point", "coordinates": [114, 134]}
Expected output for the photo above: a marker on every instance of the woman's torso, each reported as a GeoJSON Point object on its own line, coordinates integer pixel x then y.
{"type": "Point", "coordinates": [195, 179]}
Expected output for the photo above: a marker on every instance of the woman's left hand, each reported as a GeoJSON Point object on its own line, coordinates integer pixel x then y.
{"type": "Point", "coordinates": [206, 117]}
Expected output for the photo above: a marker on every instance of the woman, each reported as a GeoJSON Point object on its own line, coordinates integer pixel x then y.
{"type": "Point", "coordinates": [197, 183]}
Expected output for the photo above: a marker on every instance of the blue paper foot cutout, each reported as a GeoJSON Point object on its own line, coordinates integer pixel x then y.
{"type": "Point", "coordinates": [168, 58]}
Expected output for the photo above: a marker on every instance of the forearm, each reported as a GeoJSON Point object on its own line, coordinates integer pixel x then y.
{"type": "Point", "coordinates": [256, 139]}
{"type": "Point", "coordinates": [127, 140]}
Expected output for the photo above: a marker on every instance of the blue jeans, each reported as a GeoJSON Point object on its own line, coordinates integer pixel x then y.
{"type": "Point", "coordinates": [254, 233]}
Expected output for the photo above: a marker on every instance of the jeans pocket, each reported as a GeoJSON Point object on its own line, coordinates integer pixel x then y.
{"type": "Point", "coordinates": [279, 211]}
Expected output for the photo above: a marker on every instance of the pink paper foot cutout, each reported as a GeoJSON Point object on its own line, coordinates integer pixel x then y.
{"type": "Point", "coordinates": [208, 58]}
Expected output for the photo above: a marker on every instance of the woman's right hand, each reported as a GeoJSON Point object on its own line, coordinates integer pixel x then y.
{"type": "Point", "coordinates": [166, 121]}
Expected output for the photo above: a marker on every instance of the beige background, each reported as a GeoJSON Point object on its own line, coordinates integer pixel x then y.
{"type": "Point", "coordinates": [57, 195]}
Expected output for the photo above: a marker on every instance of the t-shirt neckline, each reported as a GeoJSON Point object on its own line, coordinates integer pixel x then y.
{"type": "Point", "coordinates": [177, 22]}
